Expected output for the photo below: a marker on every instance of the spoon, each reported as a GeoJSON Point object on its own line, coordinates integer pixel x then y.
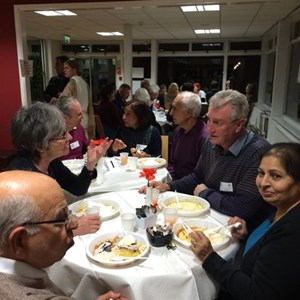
{"type": "Point", "coordinates": [177, 199]}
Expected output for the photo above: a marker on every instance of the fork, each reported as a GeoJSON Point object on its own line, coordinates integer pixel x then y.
{"type": "Point", "coordinates": [186, 227]}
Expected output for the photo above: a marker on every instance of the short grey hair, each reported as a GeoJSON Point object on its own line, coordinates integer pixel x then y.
{"type": "Point", "coordinates": [15, 210]}
{"type": "Point", "coordinates": [154, 88]}
{"type": "Point", "coordinates": [64, 105]}
{"type": "Point", "coordinates": [238, 101]}
{"type": "Point", "coordinates": [34, 127]}
{"type": "Point", "coordinates": [192, 102]}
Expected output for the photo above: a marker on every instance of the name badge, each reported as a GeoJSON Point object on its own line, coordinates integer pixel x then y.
{"type": "Point", "coordinates": [74, 145]}
{"type": "Point", "coordinates": [226, 187]}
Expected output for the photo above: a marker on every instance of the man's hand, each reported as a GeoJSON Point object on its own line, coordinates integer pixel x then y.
{"type": "Point", "coordinates": [199, 188]}
{"type": "Point", "coordinates": [87, 224]}
{"type": "Point", "coordinates": [111, 295]}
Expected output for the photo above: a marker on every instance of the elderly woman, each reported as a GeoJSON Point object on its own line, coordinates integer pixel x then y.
{"type": "Point", "coordinates": [40, 137]}
{"type": "Point", "coordinates": [270, 264]}
{"type": "Point", "coordinates": [137, 136]}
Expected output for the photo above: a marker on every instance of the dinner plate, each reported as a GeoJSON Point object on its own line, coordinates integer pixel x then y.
{"type": "Point", "coordinates": [189, 206]}
{"type": "Point", "coordinates": [218, 239]}
{"type": "Point", "coordinates": [112, 259]}
{"type": "Point", "coordinates": [108, 208]}
{"type": "Point", "coordinates": [74, 165]}
{"type": "Point", "coordinates": [151, 162]}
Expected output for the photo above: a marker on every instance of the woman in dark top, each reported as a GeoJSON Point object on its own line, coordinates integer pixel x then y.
{"type": "Point", "coordinates": [137, 136]}
{"type": "Point", "coordinates": [270, 266]}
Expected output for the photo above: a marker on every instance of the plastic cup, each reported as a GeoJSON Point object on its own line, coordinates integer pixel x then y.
{"type": "Point", "coordinates": [132, 163]}
{"type": "Point", "coordinates": [155, 194]}
{"type": "Point", "coordinates": [124, 158]}
{"type": "Point", "coordinates": [170, 215]}
{"type": "Point", "coordinates": [128, 220]}
{"type": "Point", "coordinates": [93, 210]}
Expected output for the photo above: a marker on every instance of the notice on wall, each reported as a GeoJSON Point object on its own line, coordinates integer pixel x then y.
{"type": "Point", "coordinates": [26, 68]}
{"type": "Point", "coordinates": [137, 73]}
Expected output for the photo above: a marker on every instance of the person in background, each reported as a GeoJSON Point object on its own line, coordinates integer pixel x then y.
{"type": "Point", "coordinates": [73, 114]}
{"type": "Point", "coordinates": [226, 171]}
{"type": "Point", "coordinates": [198, 90]}
{"type": "Point", "coordinates": [251, 98]}
{"type": "Point", "coordinates": [188, 136]}
{"type": "Point", "coordinates": [154, 102]}
{"type": "Point", "coordinates": [121, 98]}
{"type": "Point", "coordinates": [108, 112]}
{"type": "Point", "coordinates": [270, 264]}
{"type": "Point", "coordinates": [214, 88]}
{"type": "Point", "coordinates": [145, 84]}
{"type": "Point", "coordinates": [137, 136]}
{"type": "Point", "coordinates": [58, 82]}
{"type": "Point", "coordinates": [161, 94]}
{"type": "Point", "coordinates": [171, 94]}
{"type": "Point", "coordinates": [36, 230]}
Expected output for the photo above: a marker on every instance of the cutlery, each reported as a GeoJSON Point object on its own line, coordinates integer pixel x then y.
{"type": "Point", "coordinates": [177, 199]}
{"type": "Point", "coordinates": [186, 227]}
{"type": "Point", "coordinates": [229, 227]}
{"type": "Point", "coordinates": [123, 258]}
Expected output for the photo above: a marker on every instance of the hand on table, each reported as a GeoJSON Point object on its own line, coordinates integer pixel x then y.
{"type": "Point", "coordinates": [111, 295]}
{"type": "Point", "coordinates": [199, 188]}
{"type": "Point", "coordinates": [200, 245]}
{"type": "Point", "coordinates": [87, 224]}
{"type": "Point", "coordinates": [139, 154]}
{"type": "Point", "coordinates": [162, 187]}
{"type": "Point", "coordinates": [118, 145]}
{"type": "Point", "coordinates": [241, 232]}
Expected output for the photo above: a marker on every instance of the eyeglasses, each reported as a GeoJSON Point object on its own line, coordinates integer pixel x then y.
{"type": "Point", "coordinates": [64, 137]}
{"type": "Point", "coordinates": [67, 222]}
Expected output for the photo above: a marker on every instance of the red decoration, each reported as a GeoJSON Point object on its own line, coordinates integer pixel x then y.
{"type": "Point", "coordinates": [98, 142]}
{"type": "Point", "coordinates": [148, 174]}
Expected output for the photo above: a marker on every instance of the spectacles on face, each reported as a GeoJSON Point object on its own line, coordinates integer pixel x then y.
{"type": "Point", "coordinates": [63, 137]}
{"type": "Point", "coordinates": [59, 222]}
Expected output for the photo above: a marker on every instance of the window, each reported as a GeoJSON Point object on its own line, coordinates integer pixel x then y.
{"type": "Point", "coordinates": [174, 47]}
{"type": "Point", "coordinates": [106, 48]}
{"type": "Point", "coordinates": [207, 46]}
{"type": "Point", "coordinates": [270, 76]}
{"type": "Point", "coordinates": [245, 45]}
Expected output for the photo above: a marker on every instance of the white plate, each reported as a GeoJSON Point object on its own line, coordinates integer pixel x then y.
{"type": "Point", "coordinates": [194, 200]}
{"type": "Point", "coordinates": [108, 258]}
{"type": "Point", "coordinates": [151, 162]}
{"type": "Point", "coordinates": [108, 208]}
{"type": "Point", "coordinates": [206, 224]}
{"type": "Point", "coordinates": [74, 165]}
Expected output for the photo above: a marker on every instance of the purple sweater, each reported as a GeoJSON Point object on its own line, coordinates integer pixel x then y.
{"type": "Point", "coordinates": [237, 170]}
{"type": "Point", "coordinates": [186, 149]}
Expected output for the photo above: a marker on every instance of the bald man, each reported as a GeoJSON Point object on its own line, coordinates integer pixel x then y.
{"type": "Point", "coordinates": [34, 216]}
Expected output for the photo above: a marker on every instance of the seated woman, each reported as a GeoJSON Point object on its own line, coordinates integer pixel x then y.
{"type": "Point", "coordinates": [137, 136]}
{"type": "Point", "coordinates": [270, 263]}
{"type": "Point", "coordinates": [40, 137]}
{"type": "Point", "coordinates": [108, 111]}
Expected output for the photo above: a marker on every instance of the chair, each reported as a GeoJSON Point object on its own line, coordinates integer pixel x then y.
{"type": "Point", "coordinates": [165, 147]}
{"type": "Point", "coordinates": [100, 133]}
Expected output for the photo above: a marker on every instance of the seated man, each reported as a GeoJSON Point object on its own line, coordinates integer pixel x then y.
{"type": "Point", "coordinates": [35, 232]}
{"type": "Point", "coordinates": [188, 136]}
{"type": "Point", "coordinates": [72, 111]}
{"type": "Point", "coordinates": [226, 171]}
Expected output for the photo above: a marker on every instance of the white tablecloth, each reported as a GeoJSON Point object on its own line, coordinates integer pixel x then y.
{"type": "Point", "coordinates": [166, 274]}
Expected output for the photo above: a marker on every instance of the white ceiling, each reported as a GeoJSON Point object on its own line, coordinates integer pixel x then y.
{"type": "Point", "coordinates": [161, 20]}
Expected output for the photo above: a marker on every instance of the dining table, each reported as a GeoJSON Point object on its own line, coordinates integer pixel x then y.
{"type": "Point", "coordinates": [163, 274]}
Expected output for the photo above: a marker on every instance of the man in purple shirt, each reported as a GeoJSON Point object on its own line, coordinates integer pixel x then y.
{"type": "Point", "coordinates": [72, 110]}
{"type": "Point", "coordinates": [189, 135]}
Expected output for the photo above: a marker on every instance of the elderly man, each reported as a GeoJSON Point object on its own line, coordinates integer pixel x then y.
{"type": "Point", "coordinates": [72, 111]}
{"type": "Point", "coordinates": [35, 232]}
{"type": "Point", "coordinates": [188, 136]}
{"type": "Point", "coordinates": [121, 98]}
{"type": "Point", "coordinates": [227, 168]}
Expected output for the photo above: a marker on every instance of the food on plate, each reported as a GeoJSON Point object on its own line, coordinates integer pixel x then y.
{"type": "Point", "coordinates": [105, 209]}
{"type": "Point", "coordinates": [214, 237]}
{"type": "Point", "coordinates": [124, 246]}
{"type": "Point", "coordinates": [187, 205]}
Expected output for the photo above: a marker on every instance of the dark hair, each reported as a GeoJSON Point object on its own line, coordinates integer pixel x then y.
{"type": "Point", "coordinates": [187, 86]}
{"type": "Point", "coordinates": [142, 112]}
{"type": "Point", "coordinates": [62, 58]}
{"type": "Point", "coordinates": [124, 86]}
{"type": "Point", "coordinates": [289, 156]}
{"type": "Point", "coordinates": [106, 92]}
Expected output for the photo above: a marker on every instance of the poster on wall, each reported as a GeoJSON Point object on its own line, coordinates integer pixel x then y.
{"type": "Point", "coordinates": [26, 68]}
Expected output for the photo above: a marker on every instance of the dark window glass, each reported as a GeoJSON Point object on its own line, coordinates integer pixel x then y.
{"type": "Point", "coordinates": [141, 48]}
{"type": "Point", "coordinates": [106, 48]}
{"type": "Point", "coordinates": [76, 48]}
{"type": "Point", "coordinates": [207, 46]}
{"type": "Point", "coordinates": [245, 45]}
{"type": "Point", "coordinates": [174, 47]}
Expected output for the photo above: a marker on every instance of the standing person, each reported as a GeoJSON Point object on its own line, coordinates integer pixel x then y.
{"type": "Point", "coordinates": [36, 230]}
{"type": "Point", "coordinates": [58, 82]}
{"type": "Point", "coordinates": [121, 98]}
{"type": "Point", "coordinates": [270, 264]}
{"type": "Point", "coordinates": [78, 88]}
{"type": "Point", "coordinates": [73, 114]}
{"type": "Point", "coordinates": [189, 135]}
{"type": "Point", "coordinates": [226, 171]}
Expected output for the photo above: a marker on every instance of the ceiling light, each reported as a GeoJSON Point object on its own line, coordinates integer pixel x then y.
{"type": "Point", "coordinates": [190, 8]}
{"type": "Point", "coordinates": [200, 8]}
{"type": "Point", "coordinates": [116, 33]}
{"type": "Point", "coordinates": [211, 7]}
{"type": "Point", "coordinates": [207, 31]}
{"type": "Point", "coordinates": [215, 31]}
{"type": "Point", "coordinates": [55, 13]}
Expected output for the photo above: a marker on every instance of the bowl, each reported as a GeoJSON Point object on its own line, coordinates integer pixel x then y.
{"type": "Point", "coordinates": [158, 240]}
{"type": "Point", "coordinates": [189, 206]}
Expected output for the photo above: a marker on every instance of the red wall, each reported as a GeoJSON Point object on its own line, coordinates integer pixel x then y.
{"type": "Point", "coordinates": [9, 75]}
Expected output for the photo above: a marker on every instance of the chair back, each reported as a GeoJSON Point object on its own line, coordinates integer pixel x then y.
{"type": "Point", "coordinates": [165, 147]}
{"type": "Point", "coordinates": [100, 133]}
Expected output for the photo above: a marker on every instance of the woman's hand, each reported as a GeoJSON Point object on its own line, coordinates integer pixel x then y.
{"type": "Point", "coordinates": [118, 145]}
{"type": "Point", "coordinates": [94, 153]}
{"type": "Point", "coordinates": [241, 232]}
{"type": "Point", "coordinates": [200, 245]}
{"type": "Point", "coordinates": [162, 187]}
{"type": "Point", "coordinates": [111, 295]}
{"type": "Point", "coordinates": [140, 154]}
{"type": "Point", "coordinates": [199, 188]}
{"type": "Point", "coordinates": [87, 224]}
